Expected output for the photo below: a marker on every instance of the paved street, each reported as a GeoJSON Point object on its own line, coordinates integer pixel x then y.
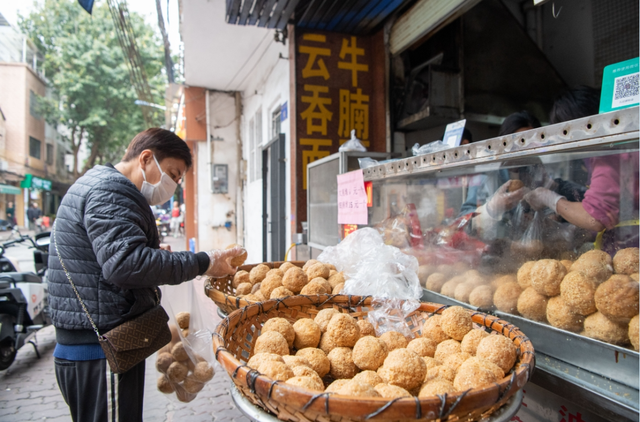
{"type": "Point", "coordinates": [29, 392]}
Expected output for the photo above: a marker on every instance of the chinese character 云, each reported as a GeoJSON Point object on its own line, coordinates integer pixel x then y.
{"type": "Point", "coordinates": [354, 114]}
{"type": "Point", "coordinates": [316, 114]}
{"type": "Point", "coordinates": [309, 69]}
{"type": "Point", "coordinates": [351, 49]}
{"type": "Point", "coordinates": [309, 156]}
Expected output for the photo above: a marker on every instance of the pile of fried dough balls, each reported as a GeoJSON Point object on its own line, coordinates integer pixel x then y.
{"type": "Point", "coordinates": [336, 353]}
{"type": "Point", "coordinates": [264, 283]}
{"type": "Point", "coordinates": [594, 295]}
{"type": "Point", "coordinates": [181, 374]}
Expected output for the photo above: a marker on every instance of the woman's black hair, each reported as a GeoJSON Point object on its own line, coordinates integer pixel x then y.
{"type": "Point", "coordinates": [517, 121]}
{"type": "Point", "coordinates": [578, 102]}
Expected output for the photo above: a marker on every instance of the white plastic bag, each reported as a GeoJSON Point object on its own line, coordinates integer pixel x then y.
{"type": "Point", "coordinates": [429, 148]}
{"type": "Point", "coordinates": [382, 271]}
{"type": "Point", "coordinates": [367, 162]}
{"type": "Point", "coordinates": [352, 144]}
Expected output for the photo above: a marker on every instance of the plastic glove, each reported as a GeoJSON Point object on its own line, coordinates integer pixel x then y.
{"type": "Point", "coordinates": [219, 261]}
{"type": "Point", "coordinates": [541, 197]}
{"type": "Point", "coordinates": [502, 200]}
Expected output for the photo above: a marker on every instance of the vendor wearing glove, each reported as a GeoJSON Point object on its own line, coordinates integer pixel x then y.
{"type": "Point", "coordinates": [107, 236]}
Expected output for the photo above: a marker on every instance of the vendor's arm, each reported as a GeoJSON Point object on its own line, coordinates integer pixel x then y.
{"type": "Point", "coordinates": [575, 214]}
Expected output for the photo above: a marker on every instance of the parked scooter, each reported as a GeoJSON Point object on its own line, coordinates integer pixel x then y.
{"type": "Point", "coordinates": [24, 308]}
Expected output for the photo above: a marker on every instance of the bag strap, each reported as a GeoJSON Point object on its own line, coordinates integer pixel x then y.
{"type": "Point", "coordinates": [84, 308]}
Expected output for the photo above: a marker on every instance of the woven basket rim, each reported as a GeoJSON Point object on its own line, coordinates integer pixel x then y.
{"type": "Point", "coordinates": [502, 389]}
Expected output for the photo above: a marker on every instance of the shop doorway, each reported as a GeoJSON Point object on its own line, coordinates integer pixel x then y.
{"type": "Point", "coordinates": [274, 200]}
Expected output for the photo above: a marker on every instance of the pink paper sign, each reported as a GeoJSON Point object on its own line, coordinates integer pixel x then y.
{"type": "Point", "coordinates": [352, 198]}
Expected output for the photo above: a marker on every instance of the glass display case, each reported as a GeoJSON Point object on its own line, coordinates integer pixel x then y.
{"type": "Point", "coordinates": [541, 228]}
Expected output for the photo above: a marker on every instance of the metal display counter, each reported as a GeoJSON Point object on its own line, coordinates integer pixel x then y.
{"type": "Point", "coordinates": [599, 377]}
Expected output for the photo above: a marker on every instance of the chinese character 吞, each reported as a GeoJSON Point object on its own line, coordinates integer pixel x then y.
{"type": "Point", "coordinates": [309, 69]}
{"type": "Point", "coordinates": [351, 49]}
{"type": "Point", "coordinates": [315, 153]}
{"type": "Point", "coordinates": [316, 114]}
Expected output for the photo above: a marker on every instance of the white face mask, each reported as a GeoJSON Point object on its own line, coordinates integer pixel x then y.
{"type": "Point", "coordinates": [162, 191]}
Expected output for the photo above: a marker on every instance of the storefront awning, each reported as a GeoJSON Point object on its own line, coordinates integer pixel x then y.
{"type": "Point", "coordinates": [34, 182]}
{"type": "Point", "coordinates": [358, 17]}
{"type": "Point", "coordinates": [10, 190]}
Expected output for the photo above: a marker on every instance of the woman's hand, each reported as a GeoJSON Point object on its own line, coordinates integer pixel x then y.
{"type": "Point", "coordinates": [220, 265]}
{"type": "Point", "coordinates": [541, 198]}
{"type": "Point", "coordinates": [503, 201]}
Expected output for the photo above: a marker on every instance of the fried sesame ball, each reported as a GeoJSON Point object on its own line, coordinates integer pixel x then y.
{"type": "Point", "coordinates": [327, 343]}
{"type": "Point", "coordinates": [524, 274]}
{"type": "Point", "coordinates": [318, 270]}
{"type": "Point", "coordinates": [323, 317]}
{"type": "Point", "coordinates": [309, 263]}
{"type": "Point", "coordinates": [441, 372]}
{"type": "Point", "coordinates": [506, 297]}
{"type": "Point", "coordinates": [369, 353]}
{"type": "Point", "coordinates": [596, 265]}
{"type": "Point", "coordinates": [344, 330]}
{"type": "Point", "coordinates": [183, 318]}
{"type": "Point", "coordinates": [164, 385]}
{"type": "Point", "coordinates": [295, 279]}
{"type": "Point", "coordinates": [617, 298]}
{"type": "Point", "coordinates": [336, 279]}
{"type": "Point", "coordinates": [338, 289]}
{"type": "Point", "coordinates": [578, 292]}
{"type": "Point", "coordinates": [314, 287]}
{"type": "Point", "coordinates": [432, 329]}
{"type": "Point", "coordinates": [240, 277]}
{"type": "Point", "coordinates": [236, 261]}
{"type": "Point", "coordinates": [422, 346]}
{"type": "Point", "coordinates": [633, 332]}
{"type": "Point", "coordinates": [561, 315]}
{"type": "Point", "coordinates": [305, 371]}
{"type": "Point", "coordinates": [455, 360]}
{"type": "Point", "coordinates": [283, 327]}
{"type": "Point", "coordinates": [482, 297]}
{"type": "Point", "coordinates": [497, 371]}
{"type": "Point", "coordinates": [257, 359]}
{"type": "Point", "coordinates": [532, 305]}
{"type": "Point", "coordinates": [394, 340]}
{"type": "Point", "coordinates": [459, 267]}
{"type": "Point", "coordinates": [272, 342]}
{"type": "Point", "coordinates": [435, 387]}
{"type": "Point", "coordinates": [469, 343]}
{"type": "Point", "coordinates": [269, 284]}
{"type": "Point", "coordinates": [462, 291]}
{"type": "Point", "coordinates": [244, 289]}
{"type": "Point", "coordinates": [424, 271]}
{"type": "Point", "coordinates": [625, 261]}
{"type": "Point", "coordinates": [403, 368]}
{"type": "Point", "coordinates": [203, 372]}
{"type": "Point", "coordinates": [260, 296]}
{"type": "Point", "coordinates": [635, 277]}
{"type": "Point", "coordinates": [430, 362]}
{"type": "Point", "coordinates": [275, 271]}
{"type": "Point", "coordinates": [279, 292]}
{"type": "Point", "coordinates": [192, 385]}
{"type": "Point", "coordinates": [435, 282]}
{"type": "Point", "coordinates": [276, 371]}
{"type": "Point", "coordinates": [567, 264]}
{"type": "Point", "coordinates": [369, 377]}
{"type": "Point", "coordinates": [474, 277]}
{"type": "Point", "coordinates": [330, 266]}
{"type": "Point", "coordinates": [445, 269]}
{"type": "Point", "coordinates": [310, 383]}
{"type": "Point", "coordinates": [335, 386]}
{"type": "Point", "coordinates": [185, 333]}
{"type": "Point", "coordinates": [358, 389]}
{"type": "Point", "coordinates": [253, 298]}
{"type": "Point", "coordinates": [324, 283]}
{"type": "Point", "coordinates": [307, 333]}
{"type": "Point", "coordinates": [255, 288]}
{"type": "Point", "coordinates": [179, 352]}
{"type": "Point", "coordinates": [503, 279]}
{"type": "Point", "coordinates": [177, 372]}
{"type": "Point", "coordinates": [456, 322]}
{"type": "Point", "coordinates": [449, 288]}
{"type": "Point", "coordinates": [366, 328]}
{"type": "Point", "coordinates": [341, 361]}
{"type": "Point", "coordinates": [317, 359]}
{"type": "Point", "coordinates": [293, 361]}
{"type": "Point", "coordinates": [163, 361]}
{"type": "Point", "coordinates": [600, 327]}
{"type": "Point", "coordinates": [258, 273]}
{"type": "Point", "coordinates": [391, 391]}
{"type": "Point", "coordinates": [446, 348]}
{"type": "Point", "coordinates": [285, 267]}
{"type": "Point", "coordinates": [546, 276]}
{"type": "Point", "coordinates": [183, 395]}
{"type": "Point", "coordinates": [499, 350]}
{"type": "Point", "coordinates": [473, 376]}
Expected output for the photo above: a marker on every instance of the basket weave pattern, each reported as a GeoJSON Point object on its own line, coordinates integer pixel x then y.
{"type": "Point", "coordinates": [222, 292]}
{"type": "Point", "coordinates": [235, 338]}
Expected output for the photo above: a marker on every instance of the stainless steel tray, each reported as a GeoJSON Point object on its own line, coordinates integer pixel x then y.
{"type": "Point", "coordinates": [618, 363]}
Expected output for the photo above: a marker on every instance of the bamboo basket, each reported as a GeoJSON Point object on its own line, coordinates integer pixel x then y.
{"type": "Point", "coordinates": [222, 292]}
{"type": "Point", "coordinates": [235, 338]}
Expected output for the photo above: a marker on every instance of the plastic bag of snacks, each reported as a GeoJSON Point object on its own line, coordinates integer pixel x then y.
{"type": "Point", "coordinates": [185, 364]}
{"type": "Point", "coordinates": [530, 246]}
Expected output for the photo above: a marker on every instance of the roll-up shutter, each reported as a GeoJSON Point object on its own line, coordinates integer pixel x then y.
{"type": "Point", "coordinates": [424, 17]}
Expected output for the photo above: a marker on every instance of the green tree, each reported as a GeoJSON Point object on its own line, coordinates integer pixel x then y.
{"type": "Point", "coordinates": [85, 66]}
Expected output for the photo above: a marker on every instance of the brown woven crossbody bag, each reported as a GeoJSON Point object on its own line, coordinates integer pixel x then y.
{"type": "Point", "coordinates": [132, 341]}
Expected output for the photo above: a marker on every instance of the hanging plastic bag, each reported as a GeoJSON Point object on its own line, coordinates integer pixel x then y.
{"type": "Point", "coordinates": [367, 162]}
{"type": "Point", "coordinates": [185, 364]}
{"type": "Point", "coordinates": [530, 245]}
{"type": "Point", "coordinates": [429, 148]}
{"type": "Point", "coordinates": [373, 268]}
{"type": "Point", "coordinates": [352, 144]}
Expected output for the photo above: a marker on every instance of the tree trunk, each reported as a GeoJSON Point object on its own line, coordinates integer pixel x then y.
{"type": "Point", "coordinates": [95, 150]}
{"type": "Point", "coordinates": [167, 47]}
{"type": "Point", "coordinates": [75, 147]}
